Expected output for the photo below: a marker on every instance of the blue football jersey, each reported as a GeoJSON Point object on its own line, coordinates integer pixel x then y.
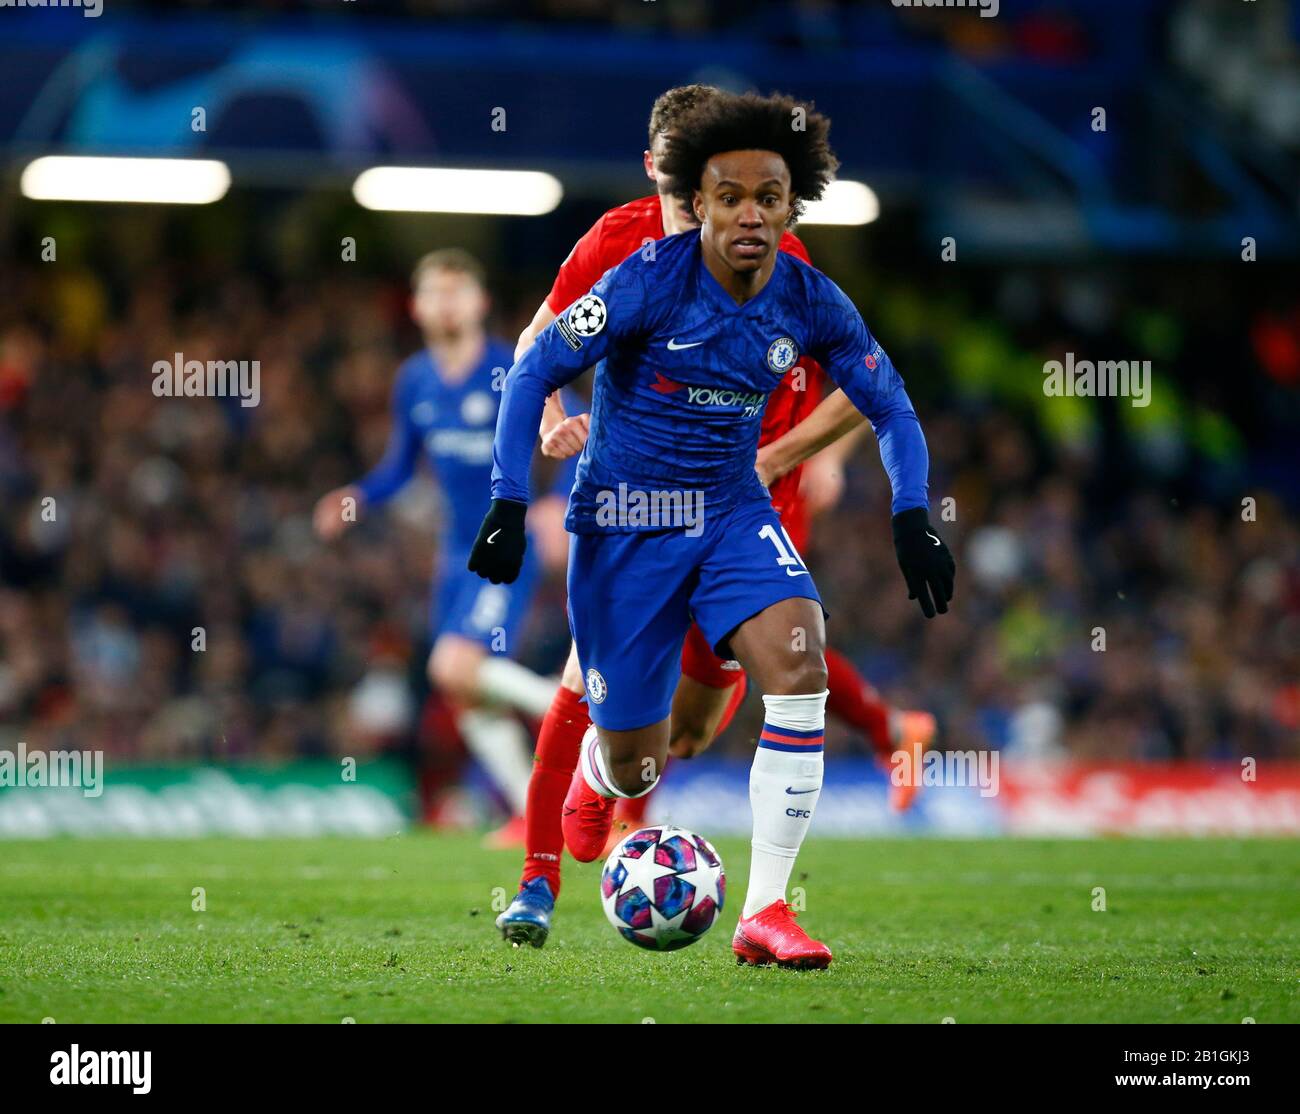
{"type": "Point", "coordinates": [683, 375]}
{"type": "Point", "coordinates": [452, 425]}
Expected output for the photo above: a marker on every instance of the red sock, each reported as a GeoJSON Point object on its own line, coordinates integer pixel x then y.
{"type": "Point", "coordinates": [563, 726]}
{"type": "Point", "coordinates": [854, 700]}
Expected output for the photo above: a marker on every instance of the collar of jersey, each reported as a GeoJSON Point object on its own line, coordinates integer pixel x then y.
{"type": "Point", "coordinates": [474, 374]}
{"type": "Point", "coordinates": [718, 292]}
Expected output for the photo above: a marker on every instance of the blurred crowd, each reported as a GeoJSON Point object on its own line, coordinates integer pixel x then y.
{"type": "Point", "coordinates": [1128, 584]}
{"type": "Point", "coordinates": [1129, 576]}
{"type": "Point", "coordinates": [1249, 61]}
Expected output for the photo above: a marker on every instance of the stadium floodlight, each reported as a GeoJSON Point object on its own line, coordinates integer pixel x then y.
{"type": "Point", "coordinates": [844, 202]}
{"type": "Point", "coordinates": [146, 180]}
{"type": "Point", "coordinates": [414, 189]}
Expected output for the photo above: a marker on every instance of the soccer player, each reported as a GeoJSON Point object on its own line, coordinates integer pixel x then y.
{"type": "Point", "coordinates": [689, 341]}
{"type": "Point", "coordinates": [795, 426]}
{"type": "Point", "coordinates": [444, 404]}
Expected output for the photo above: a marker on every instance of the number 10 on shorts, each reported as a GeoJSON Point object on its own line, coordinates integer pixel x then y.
{"type": "Point", "coordinates": [786, 554]}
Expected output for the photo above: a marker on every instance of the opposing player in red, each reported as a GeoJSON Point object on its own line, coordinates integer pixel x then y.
{"type": "Point", "coordinates": [798, 425]}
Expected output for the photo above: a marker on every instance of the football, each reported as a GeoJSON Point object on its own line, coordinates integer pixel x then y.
{"type": "Point", "coordinates": [663, 887]}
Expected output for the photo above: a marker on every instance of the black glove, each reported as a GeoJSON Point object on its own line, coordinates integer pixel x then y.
{"type": "Point", "coordinates": [498, 552]}
{"type": "Point", "coordinates": [927, 565]}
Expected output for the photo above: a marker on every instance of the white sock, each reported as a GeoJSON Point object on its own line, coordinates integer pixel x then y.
{"type": "Point", "coordinates": [595, 771]}
{"type": "Point", "coordinates": [500, 744]}
{"type": "Point", "coordinates": [507, 682]}
{"type": "Point", "coordinates": [784, 784]}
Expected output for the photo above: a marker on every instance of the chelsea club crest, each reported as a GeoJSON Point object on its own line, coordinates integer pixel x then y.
{"type": "Point", "coordinates": [782, 355]}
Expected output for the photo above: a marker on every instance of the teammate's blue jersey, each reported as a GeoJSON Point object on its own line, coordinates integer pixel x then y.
{"type": "Point", "coordinates": [453, 423]}
{"type": "Point", "coordinates": [682, 379]}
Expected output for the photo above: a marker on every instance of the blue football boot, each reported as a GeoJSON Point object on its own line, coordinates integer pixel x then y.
{"type": "Point", "coordinates": [528, 920]}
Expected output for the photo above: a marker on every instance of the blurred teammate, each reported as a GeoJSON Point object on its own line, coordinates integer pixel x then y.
{"type": "Point", "coordinates": [797, 426]}
{"type": "Point", "coordinates": [691, 339]}
{"type": "Point", "coordinates": [444, 406]}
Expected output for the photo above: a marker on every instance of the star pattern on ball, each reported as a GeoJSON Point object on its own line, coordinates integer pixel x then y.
{"type": "Point", "coordinates": [668, 930]}
{"type": "Point", "coordinates": [643, 872]}
{"type": "Point", "coordinates": [704, 878]}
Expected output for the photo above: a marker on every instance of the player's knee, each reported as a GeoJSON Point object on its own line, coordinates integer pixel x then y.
{"type": "Point", "coordinates": [803, 673]}
{"type": "Point", "coordinates": [812, 676]}
{"type": "Point", "coordinates": [453, 674]}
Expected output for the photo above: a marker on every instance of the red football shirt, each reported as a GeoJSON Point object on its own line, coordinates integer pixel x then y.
{"type": "Point", "coordinates": [627, 229]}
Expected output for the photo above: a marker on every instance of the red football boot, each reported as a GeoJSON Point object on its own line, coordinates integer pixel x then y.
{"type": "Point", "coordinates": [587, 817]}
{"type": "Point", "coordinates": [628, 817]}
{"type": "Point", "coordinates": [508, 837]}
{"type": "Point", "coordinates": [771, 936]}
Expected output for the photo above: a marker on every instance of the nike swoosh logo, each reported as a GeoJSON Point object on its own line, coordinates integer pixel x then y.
{"type": "Point", "coordinates": [933, 538]}
{"type": "Point", "coordinates": [791, 572]}
{"type": "Point", "coordinates": [796, 792]}
{"type": "Point", "coordinates": [492, 536]}
{"type": "Point", "coordinates": [673, 346]}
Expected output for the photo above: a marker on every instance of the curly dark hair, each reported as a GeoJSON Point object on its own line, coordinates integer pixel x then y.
{"type": "Point", "coordinates": [672, 104]}
{"type": "Point", "coordinates": [751, 122]}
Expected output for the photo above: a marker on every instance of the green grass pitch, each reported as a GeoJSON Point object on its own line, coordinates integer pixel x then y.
{"type": "Point", "coordinates": [401, 930]}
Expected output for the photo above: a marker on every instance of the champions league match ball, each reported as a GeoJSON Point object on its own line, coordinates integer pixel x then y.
{"type": "Point", "coordinates": [663, 887]}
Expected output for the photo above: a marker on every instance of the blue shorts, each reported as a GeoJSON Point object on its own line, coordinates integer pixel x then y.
{"type": "Point", "coordinates": [465, 604]}
{"type": "Point", "coordinates": [632, 598]}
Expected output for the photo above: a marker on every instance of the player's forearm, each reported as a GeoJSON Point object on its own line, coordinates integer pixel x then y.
{"type": "Point", "coordinates": [530, 382]}
{"type": "Point", "coordinates": [904, 454]}
{"type": "Point", "coordinates": [834, 418]}
{"type": "Point", "coordinates": [390, 475]}
{"type": "Point", "coordinates": [844, 446]}
{"type": "Point", "coordinates": [553, 413]}
{"type": "Point", "coordinates": [541, 319]}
